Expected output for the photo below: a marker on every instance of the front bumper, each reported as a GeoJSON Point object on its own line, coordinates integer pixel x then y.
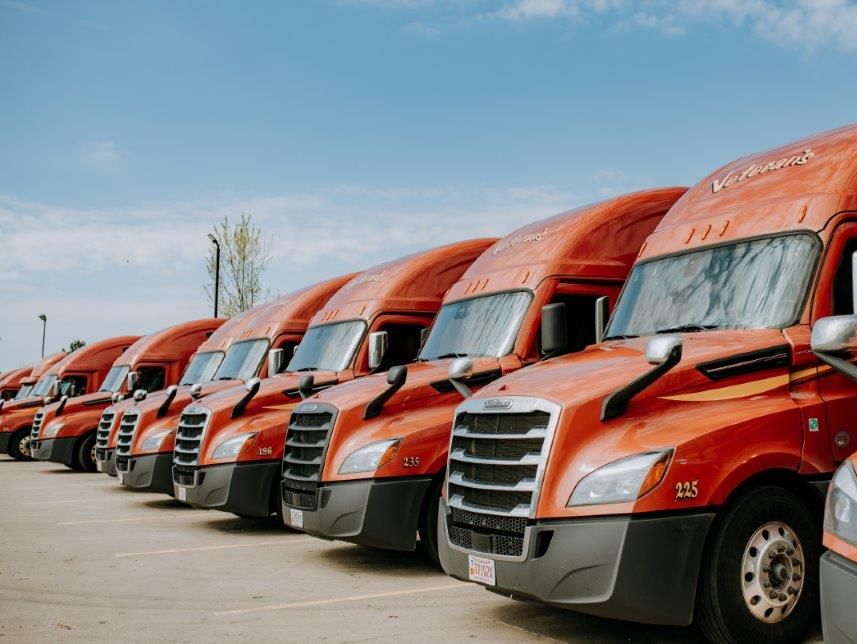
{"type": "Point", "coordinates": [838, 589]}
{"type": "Point", "coordinates": [5, 438]}
{"type": "Point", "coordinates": [149, 473]}
{"type": "Point", "coordinates": [375, 513]}
{"type": "Point", "coordinates": [57, 450]}
{"type": "Point", "coordinates": [241, 488]}
{"type": "Point", "coordinates": [105, 461]}
{"type": "Point", "coordinates": [636, 569]}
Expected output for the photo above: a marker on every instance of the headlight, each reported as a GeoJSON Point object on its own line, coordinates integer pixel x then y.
{"type": "Point", "coordinates": [231, 448]}
{"type": "Point", "coordinates": [621, 481]}
{"type": "Point", "coordinates": [370, 457]}
{"type": "Point", "coordinates": [154, 442]}
{"type": "Point", "coordinates": [53, 430]}
{"type": "Point", "coordinates": [840, 514]}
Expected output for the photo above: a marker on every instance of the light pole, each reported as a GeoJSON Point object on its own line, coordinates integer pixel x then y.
{"type": "Point", "coordinates": [216, 271]}
{"type": "Point", "coordinates": [44, 319]}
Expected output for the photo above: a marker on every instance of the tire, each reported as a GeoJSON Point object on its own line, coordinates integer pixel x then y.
{"type": "Point", "coordinates": [19, 445]}
{"type": "Point", "coordinates": [85, 457]}
{"type": "Point", "coordinates": [428, 521]}
{"type": "Point", "coordinates": [768, 536]}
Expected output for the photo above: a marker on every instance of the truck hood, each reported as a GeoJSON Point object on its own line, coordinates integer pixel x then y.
{"type": "Point", "coordinates": [21, 416]}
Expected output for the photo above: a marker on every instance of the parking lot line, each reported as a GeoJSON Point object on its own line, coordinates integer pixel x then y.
{"type": "Point", "coordinates": [60, 502]}
{"type": "Point", "coordinates": [340, 600]}
{"type": "Point", "coordinates": [251, 544]}
{"type": "Point", "coordinates": [125, 520]}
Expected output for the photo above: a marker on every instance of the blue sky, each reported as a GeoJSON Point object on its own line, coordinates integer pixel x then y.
{"type": "Point", "coordinates": [358, 130]}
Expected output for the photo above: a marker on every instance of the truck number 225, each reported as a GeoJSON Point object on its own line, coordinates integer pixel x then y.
{"type": "Point", "coordinates": [686, 490]}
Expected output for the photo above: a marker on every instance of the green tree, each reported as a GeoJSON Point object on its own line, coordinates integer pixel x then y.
{"type": "Point", "coordinates": [245, 253]}
{"type": "Point", "coordinates": [74, 345]}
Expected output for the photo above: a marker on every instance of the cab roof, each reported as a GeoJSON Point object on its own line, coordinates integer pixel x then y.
{"type": "Point", "coordinates": [290, 313]}
{"type": "Point", "coordinates": [168, 344]}
{"type": "Point", "coordinates": [15, 377]}
{"type": "Point", "coordinates": [797, 186]}
{"type": "Point", "coordinates": [416, 282]}
{"type": "Point", "coordinates": [94, 357]}
{"type": "Point", "coordinates": [42, 367]}
{"type": "Point", "coordinates": [590, 242]}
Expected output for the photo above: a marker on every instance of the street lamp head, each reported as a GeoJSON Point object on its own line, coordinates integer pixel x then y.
{"type": "Point", "coordinates": [43, 317]}
{"type": "Point", "coordinates": [213, 239]}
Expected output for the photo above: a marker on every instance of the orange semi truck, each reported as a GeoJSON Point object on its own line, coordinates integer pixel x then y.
{"type": "Point", "coordinates": [16, 416]}
{"type": "Point", "coordinates": [677, 471]}
{"type": "Point", "coordinates": [144, 431]}
{"type": "Point", "coordinates": [377, 468]}
{"type": "Point", "coordinates": [12, 382]}
{"type": "Point", "coordinates": [229, 449]}
{"type": "Point", "coordinates": [150, 364]}
{"type": "Point", "coordinates": [83, 372]}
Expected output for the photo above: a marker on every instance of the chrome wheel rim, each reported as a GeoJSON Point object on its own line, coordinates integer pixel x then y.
{"type": "Point", "coordinates": [92, 454]}
{"type": "Point", "coordinates": [24, 446]}
{"type": "Point", "coordinates": [772, 572]}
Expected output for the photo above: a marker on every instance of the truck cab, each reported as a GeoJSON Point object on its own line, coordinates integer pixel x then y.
{"type": "Point", "coordinates": [141, 434]}
{"type": "Point", "coordinates": [16, 416]}
{"type": "Point", "coordinates": [229, 449]}
{"type": "Point", "coordinates": [150, 364]}
{"type": "Point", "coordinates": [384, 449]}
{"type": "Point", "coordinates": [694, 445]}
{"type": "Point", "coordinates": [12, 383]}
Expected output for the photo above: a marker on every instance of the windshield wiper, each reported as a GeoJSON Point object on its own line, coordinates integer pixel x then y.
{"type": "Point", "coordinates": [620, 337]}
{"type": "Point", "coordinates": [688, 328]}
{"type": "Point", "coordinates": [306, 369]}
{"type": "Point", "coordinates": [451, 355]}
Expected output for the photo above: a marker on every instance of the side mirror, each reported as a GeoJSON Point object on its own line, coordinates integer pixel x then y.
{"type": "Point", "coordinates": [115, 398]}
{"type": "Point", "coordinates": [378, 343]}
{"type": "Point", "coordinates": [61, 406]}
{"type": "Point", "coordinates": [459, 370]}
{"type": "Point", "coordinates": [396, 378]}
{"type": "Point", "coordinates": [660, 348]}
{"type": "Point", "coordinates": [252, 383]}
{"type": "Point", "coordinates": [276, 357]}
{"type": "Point", "coordinates": [832, 337]}
{"type": "Point", "coordinates": [131, 380]}
{"type": "Point", "coordinates": [305, 386]}
{"type": "Point", "coordinates": [139, 394]}
{"type": "Point", "coordinates": [196, 391]}
{"type": "Point", "coordinates": [601, 315]}
{"type": "Point", "coordinates": [168, 400]}
{"type": "Point", "coordinates": [554, 329]}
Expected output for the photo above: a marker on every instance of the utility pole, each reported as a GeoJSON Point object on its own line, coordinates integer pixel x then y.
{"type": "Point", "coordinates": [216, 271]}
{"type": "Point", "coordinates": [44, 319]}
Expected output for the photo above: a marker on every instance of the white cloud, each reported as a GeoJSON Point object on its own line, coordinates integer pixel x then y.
{"type": "Point", "coordinates": [103, 154]}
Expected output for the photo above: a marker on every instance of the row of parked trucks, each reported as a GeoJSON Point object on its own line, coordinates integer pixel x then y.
{"type": "Point", "coordinates": [635, 409]}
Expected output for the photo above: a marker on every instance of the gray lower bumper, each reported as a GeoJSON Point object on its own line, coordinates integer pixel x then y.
{"type": "Point", "coordinates": [242, 488]}
{"type": "Point", "coordinates": [150, 473]}
{"type": "Point", "coordinates": [105, 461]}
{"type": "Point", "coordinates": [58, 450]}
{"type": "Point", "coordinates": [636, 569]}
{"type": "Point", "coordinates": [5, 438]}
{"type": "Point", "coordinates": [375, 513]}
{"type": "Point", "coordinates": [838, 593]}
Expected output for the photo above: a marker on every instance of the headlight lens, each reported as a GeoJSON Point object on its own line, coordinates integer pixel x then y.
{"type": "Point", "coordinates": [621, 481]}
{"type": "Point", "coordinates": [53, 430]}
{"type": "Point", "coordinates": [370, 457]}
{"type": "Point", "coordinates": [840, 514]}
{"type": "Point", "coordinates": [232, 447]}
{"type": "Point", "coordinates": [154, 442]}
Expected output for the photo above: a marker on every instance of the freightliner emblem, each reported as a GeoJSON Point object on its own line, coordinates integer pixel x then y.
{"type": "Point", "coordinates": [307, 408]}
{"type": "Point", "coordinates": [496, 403]}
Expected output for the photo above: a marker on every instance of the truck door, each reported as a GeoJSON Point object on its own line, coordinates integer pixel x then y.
{"type": "Point", "coordinates": [839, 392]}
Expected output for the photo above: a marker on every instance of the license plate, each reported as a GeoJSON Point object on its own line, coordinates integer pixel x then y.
{"type": "Point", "coordinates": [181, 493]}
{"type": "Point", "coordinates": [99, 466]}
{"type": "Point", "coordinates": [296, 518]}
{"type": "Point", "coordinates": [481, 570]}
{"type": "Point", "coordinates": [121, 477]}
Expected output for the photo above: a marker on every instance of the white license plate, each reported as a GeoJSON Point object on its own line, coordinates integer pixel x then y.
{"type": "Point", "coordinates": [181, 493]}
{"type": "Point", "coordinates": [481, 570]}
{"type": "Point", "coordinates": [121, 477]}
{"type": "Point", "coordinates": [296, 518]}
{"type": "Point", "coordinates": [99, 466]}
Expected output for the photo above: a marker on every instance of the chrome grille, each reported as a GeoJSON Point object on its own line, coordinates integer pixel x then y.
{"type": "Point", "coordinates": [497, 457]}
{"type": "Point", "coordinates": [124, 438]}
{"type": "Point", "coordinates": [37, 424]}
{"type": "Point", "coordinates": [189, 435]}
{"type": "Point", "coordinates": [306, 441]}
{"type": "Point", "coordinates": [102, 436]}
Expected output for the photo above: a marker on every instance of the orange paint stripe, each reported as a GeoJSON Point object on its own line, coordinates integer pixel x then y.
{"type": "Point", "coordinates": [753, 388]}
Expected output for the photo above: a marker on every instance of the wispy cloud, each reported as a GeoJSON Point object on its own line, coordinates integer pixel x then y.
{"type": "Point", "coordinates": [103, 154]}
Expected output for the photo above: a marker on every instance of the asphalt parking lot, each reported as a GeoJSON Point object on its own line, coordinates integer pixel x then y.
{"type": "Point", "coordinates": [85, 559]}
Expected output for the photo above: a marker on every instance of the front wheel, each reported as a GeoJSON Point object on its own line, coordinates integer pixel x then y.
{"type": "Point", "coordinates": [428, 520]}
{"type": "Point", "coordinates": [759, 575]}
{"type": "Point", "coordinates": [19, 446]}
{"type": "Point", "coordinates": [86, 454]}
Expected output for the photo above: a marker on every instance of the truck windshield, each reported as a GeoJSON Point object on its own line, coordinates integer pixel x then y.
{"type": "Point", "coordinates": [754, 284]}
{"type": "Point", "coordinates": [202, 368]}
{"type": "Point", "coordinates": [480, 327]}
{"type": "Point", "coordinates": [115, 378]}
{"type": "Point", "coordinates": [43, 386]}
{"type": "Point", "coordinates": [242, 360]}
{"type": "Point", "coordinates": [328, 347]}
{"type": "Point", "coordinates": [24, 392]}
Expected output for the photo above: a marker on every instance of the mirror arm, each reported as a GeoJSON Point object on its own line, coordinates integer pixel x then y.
{"type": "Point", "coordinates": [63, 401]}
{"type": "Point", "coordinates": [841, 365]}
{"type": "Point", "coordinates": [374, 407]}
{"type": "Point", "coordinates": [241, 405]}
{"type": "Point", "coordinates": [165, 406]}
{"type": "Point", "coordinates": [465, 391]}
{"type": "Point", "coordinates": [616, 403]}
